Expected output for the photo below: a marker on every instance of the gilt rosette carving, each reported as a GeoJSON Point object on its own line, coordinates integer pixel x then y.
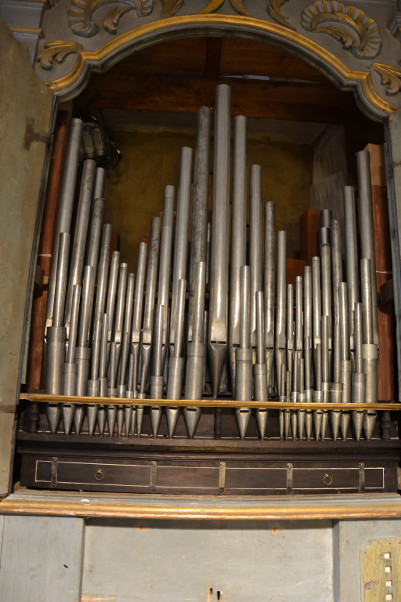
{"type": "Point", "coordinates": [349, 25]}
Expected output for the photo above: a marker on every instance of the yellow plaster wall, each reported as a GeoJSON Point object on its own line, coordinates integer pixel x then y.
{"type": "Point", "coordinates": [150, 160]}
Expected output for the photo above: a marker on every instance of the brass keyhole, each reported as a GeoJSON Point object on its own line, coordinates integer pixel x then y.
{"type": "Point", "coordinates": [99, 476]}
{"type": "Point", "coordinates": [327, 479]}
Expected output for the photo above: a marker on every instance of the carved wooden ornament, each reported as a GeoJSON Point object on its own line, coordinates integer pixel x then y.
{"type": "Point", "coordinates": [349, 25]}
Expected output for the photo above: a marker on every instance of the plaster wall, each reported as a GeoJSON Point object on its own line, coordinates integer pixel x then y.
{"type": "Point", "coordinates": [150, 160]}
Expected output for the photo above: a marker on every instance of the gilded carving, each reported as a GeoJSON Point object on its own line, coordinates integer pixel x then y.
{"type": "Point", "coordinates": [390, 78]}
{"type": "Point", "coordinates": [112, 18]}
{"type": "Point", "coordinates": [349, 25]}
{"type": "Point", "coordinates": [81, 11]}
{"type": "Point", "coordinates": [395, 25]}
{"type": "Point", "coordinates": [170, 7]}
{"type": "Point", "coordinates": [273, 8]}
{"type": "Point", "coordinates": [238, 5]}
{"type": "Point", "coordinates": [58, 51]}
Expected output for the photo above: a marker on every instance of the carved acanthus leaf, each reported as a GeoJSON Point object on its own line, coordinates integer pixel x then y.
{"type": "Point", "coordinates": [390, 77]}
{"type": "Point", "coordinates": [237, 5]}
{"type": "Point", "coordinates": [81, 12]}
{"type": "Point", "coordinates": [112, 18]}
{"type": "Point", "coordinates": [56, 51]}
{"type": "Point", "coordinates": [349, 25]}
{"type": "Point", "coordinates": [212, 6]}
{"type": "Point", "coordinates": [170, 7]}
{"type": "Point", "coordinates": [273, 8]}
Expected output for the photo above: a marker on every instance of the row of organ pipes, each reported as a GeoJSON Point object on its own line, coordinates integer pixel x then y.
{"type": "Point", "coordinates": [215, 318]}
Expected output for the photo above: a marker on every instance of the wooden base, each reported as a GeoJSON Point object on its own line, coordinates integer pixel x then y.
{"type": "Point", "coordinates": [202, 466]}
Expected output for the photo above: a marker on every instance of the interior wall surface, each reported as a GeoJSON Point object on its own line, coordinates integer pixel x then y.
{"type": "Point", "coordinates": [151, 159]}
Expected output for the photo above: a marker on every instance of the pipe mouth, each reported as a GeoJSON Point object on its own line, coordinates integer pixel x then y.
{"type": "Point", "coordinates": [217, 354]}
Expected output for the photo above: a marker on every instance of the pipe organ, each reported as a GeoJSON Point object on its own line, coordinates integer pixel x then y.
{"type": "Point", "coordinates": [204, 369]}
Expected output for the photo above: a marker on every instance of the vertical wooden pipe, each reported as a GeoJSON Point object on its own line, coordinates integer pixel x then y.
{"type": "Point", "coordinates": [36, 347]}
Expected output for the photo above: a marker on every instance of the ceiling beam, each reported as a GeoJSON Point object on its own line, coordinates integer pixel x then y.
{"type": "Point", "coordinates": [264, 99]}
{"type": "Point", "coordinates": [213, 58]}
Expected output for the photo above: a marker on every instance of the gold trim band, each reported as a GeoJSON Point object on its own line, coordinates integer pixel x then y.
{"type": "Point", "coordinates": [196, 512]}
{"type": "Point", "coordinates": [35, 30]}
{"type": "Point", "coordinates": [211, 403]}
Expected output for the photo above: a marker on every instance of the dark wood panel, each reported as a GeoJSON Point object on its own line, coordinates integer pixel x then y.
{"type": "Point", "coordinates": [187, 56]}
{"type": "Point", "coordinates": [49, 443]}
{"type": "Point", "coordinates": [241, 56]}
{"type": "Point", "coordinates": [217, 56]}
{"type": "Point", "coordinates": [207, 467]}
{"type": "Point", "coordinates": [234, 477]}
{"type": "Point", "coordinates": [198, 476]}
{"type": "Point", "coordinates": [278, 100]}
{"type": "Point", "coordinates": [255, 478]}
{"type": "Point", "coordinates": [309, 225]}
{"type": "Point", "coordinates": [329, 477]}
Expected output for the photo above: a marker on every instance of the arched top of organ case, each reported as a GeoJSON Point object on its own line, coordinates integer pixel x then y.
{"type": "Point", "coordinates": [351, 45]}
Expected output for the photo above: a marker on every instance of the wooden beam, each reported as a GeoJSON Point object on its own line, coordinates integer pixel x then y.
{"type": "Point", "coordinates": [213, 57]}
{"type": "Point", "coordinates": [295, 267]}
{"type": "Point", "coordinates": [309, 224]}
{"type": "Point", "coordinates": [386, 363]}
{"type": "Point", "coordinates": [264, 99]}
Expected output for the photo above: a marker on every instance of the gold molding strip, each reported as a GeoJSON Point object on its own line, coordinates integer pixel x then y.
{"type": "Point", "coordinates": [35, 30]}
{"type": "Point", "coordinates": [177, 25]}
{"type": "Point", "coordinates": [211, 403]}
{"type": "Point", "coordinates": [195, 511]}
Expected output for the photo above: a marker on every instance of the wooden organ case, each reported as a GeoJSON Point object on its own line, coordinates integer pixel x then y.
{"type": "Point", "coordinates": [225, 279]}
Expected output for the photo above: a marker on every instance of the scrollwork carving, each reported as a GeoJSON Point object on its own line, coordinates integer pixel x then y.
{"type": "Point", "coordinates": [213, 6]}
{"type": "Point", "coordinates": [58, 50]}
{"type": "Point", "coordinates": [170, 7]}
{"type": "Point", "coordinates": [349, 25]}
{"type": "Point", "coordinates": [273, 8]}
{"type": "Point", "coordinates": [112, 18]}
{"type": "Point", "coordinates": [390, 77]}
{"type": "Point", "coordinates": [237, 5]}
{"type": "Point", "coordinates": [81, 12]}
